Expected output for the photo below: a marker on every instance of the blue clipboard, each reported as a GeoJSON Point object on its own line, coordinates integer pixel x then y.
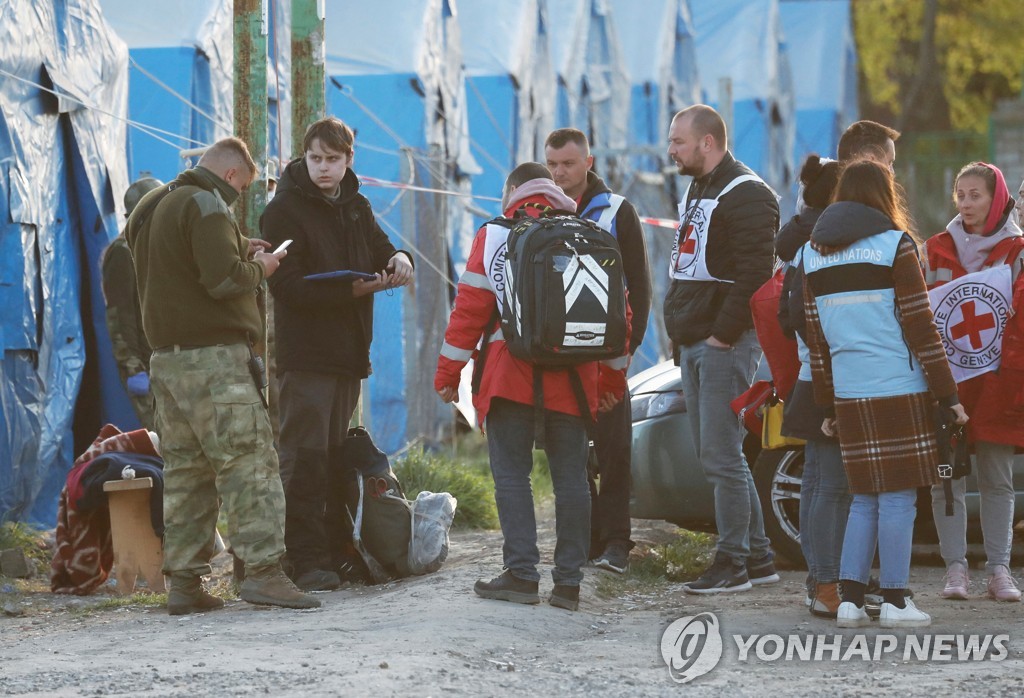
{"type": "Point", "coordinates": [342, 275]}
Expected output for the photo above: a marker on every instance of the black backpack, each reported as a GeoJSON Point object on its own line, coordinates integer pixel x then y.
{"type": "Point", "coordinates": [565, 292]}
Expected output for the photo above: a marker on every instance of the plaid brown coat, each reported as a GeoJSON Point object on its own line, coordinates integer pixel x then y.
{"type": "Point", "coordinates": [889, 443]}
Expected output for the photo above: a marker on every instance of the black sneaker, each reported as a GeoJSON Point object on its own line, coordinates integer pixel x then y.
{"type": "Point", "coordinates": [762, 571]}
{"type": "Point", "coordinates": [723, 575]}
{"type": "Point", "coordinates": [317, 580]}
{"type": "Point", "coordinates": [614, 558]}
{"type": "Point", "coordinates": [566, 597]}
{"type": "Point", "coordinates": [873, 593]}
{"type": "Point", "coordinates": [507, 587]}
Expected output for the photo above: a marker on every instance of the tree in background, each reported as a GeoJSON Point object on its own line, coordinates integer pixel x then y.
{"type": "Point", "coordinates": [930, 65]}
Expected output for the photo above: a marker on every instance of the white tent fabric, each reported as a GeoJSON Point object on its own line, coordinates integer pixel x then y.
{"type": "Point", "coordinates": [523, 55]}
{"type": "Point", "coordinates": [742, 40]}
{"type": "Point", "coordinates": [594, 85]}
{"type": "Point", "coordinates": [657, 38]}
{"type": "Point", "coordinates": [824, 61]}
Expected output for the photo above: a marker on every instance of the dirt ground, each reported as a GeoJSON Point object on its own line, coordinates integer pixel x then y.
{"type": "Point", "coordinates": [431, 635]}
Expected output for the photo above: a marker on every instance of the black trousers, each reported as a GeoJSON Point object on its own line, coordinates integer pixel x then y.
{"type": "Point", "coordinates": [315, 412]}
{"type": "Point", "coordinates": [609, 511]}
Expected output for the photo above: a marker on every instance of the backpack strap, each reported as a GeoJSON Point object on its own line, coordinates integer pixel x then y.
{"type": "Point", "coordinates": [581, 400]}
{"type": "Point", "coordinates": [538, 406]}
{"type": "Point", "coordinates": [481, 355]}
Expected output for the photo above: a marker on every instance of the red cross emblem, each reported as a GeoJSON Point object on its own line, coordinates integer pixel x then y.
{"type": "Point", "coordinates": [689, 242]}
{"type": "Point", "coordinates": [972, 325]}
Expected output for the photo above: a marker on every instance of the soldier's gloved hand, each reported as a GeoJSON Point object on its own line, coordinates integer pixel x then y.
{"type": "Point", "coordinates": [138, 384]}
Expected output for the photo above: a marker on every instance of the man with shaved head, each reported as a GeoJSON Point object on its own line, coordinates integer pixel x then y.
{"type": "Point", "coordinates": [200, 286]}
{"type": "Point", "coordinates": [723, 253]}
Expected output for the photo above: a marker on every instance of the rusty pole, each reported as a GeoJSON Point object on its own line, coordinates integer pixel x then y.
{"type": "Point", "coordinates": [251, 24]}
{"type": "Point", "coordinates": [308, 81]}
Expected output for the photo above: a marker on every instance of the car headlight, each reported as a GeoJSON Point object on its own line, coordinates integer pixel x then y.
{"type": "Point", "coordinates": [651, 405]}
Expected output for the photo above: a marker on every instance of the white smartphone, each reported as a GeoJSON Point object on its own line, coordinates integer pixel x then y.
{"type": "Point", "coordinates": [282, 247]}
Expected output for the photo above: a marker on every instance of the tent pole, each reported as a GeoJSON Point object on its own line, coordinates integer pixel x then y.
{"type": "Point", "coordinates": [308, 81]}
{"type": "Point", "coordinates": [251, 23]}
{"type": "Point", "coordinates": [725, 105]}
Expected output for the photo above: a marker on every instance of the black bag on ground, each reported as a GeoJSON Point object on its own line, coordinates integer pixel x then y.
{"type": "Point", "coordinates": [343, 497]}
{"type": "Point", "coordinates": [565, 292]}
{"type": "Point", "coordinates": [386, 522]}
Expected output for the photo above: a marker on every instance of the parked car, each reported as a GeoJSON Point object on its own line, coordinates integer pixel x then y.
{"type": "Point", "coordinates": [669, 484]}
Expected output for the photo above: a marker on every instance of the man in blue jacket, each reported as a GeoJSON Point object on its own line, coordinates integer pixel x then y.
{"type": "Point", "coordinates": [567, 153]}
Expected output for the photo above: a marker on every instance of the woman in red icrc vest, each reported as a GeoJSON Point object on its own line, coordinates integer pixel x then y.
{"type": "Point", "coordinates": [981, 236]}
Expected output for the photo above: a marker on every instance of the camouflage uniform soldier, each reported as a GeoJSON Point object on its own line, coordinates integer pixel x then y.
{"type": "Point", "coordinates": [124, 316]}
{"type": "Point", "coordinates": [200, 284]}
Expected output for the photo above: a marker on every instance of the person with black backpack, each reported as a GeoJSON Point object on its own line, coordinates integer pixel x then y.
{"type": "Point", "coordinates": [524, 400]}
{"type": "Point", "coordinates": [567, 152]}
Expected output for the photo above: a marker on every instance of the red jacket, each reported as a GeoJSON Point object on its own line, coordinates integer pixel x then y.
{"type": "Point", "coordinates": [473, 316]}
{"type": "Point", "coordinates": [994, 401]}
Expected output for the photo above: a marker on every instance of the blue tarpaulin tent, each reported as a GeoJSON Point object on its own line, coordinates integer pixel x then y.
{"type": "Point", "coordinates": [657, 39]}
{"type": "Point", "coordinates": [824, 60]}
{"type": "Point", "coordinates": [593, 88]}
{"type": "Point", "coordinates": [62, 171]}
{"type": "Point", "coordinates": [510, 92]}
{"type": "Point", "coordinates": [742, 40]}
{"type": "Point", "coordinates": [398, 81]}
{"type": "Point", "coordinates": [180, 57]}
{"type": "Point", "coordinates": [181, 79]}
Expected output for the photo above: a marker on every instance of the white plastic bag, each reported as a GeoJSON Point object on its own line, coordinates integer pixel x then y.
{"type": "Point", "coordinates": [432, 516]}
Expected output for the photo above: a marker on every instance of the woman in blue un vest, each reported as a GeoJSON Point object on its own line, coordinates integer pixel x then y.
{"type": "Point", "coordinates": [877, 360]}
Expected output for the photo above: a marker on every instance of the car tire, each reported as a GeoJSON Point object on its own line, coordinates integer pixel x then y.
{"type": "Point", "coordinates": [777, 475]}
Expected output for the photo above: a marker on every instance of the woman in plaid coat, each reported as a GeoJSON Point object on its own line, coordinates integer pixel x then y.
{"type": "Point", "coordinates": [877, 361]}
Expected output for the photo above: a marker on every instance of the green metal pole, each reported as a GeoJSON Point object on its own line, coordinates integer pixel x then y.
{"type": "Point", "coordinates": [251, 24]}
{"type": "Point", "coordinates": [308, 81]}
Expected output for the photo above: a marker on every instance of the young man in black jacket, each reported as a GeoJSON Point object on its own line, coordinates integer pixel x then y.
{"type": "Point", "coordinates": [323, 327]}
{"type": "Point", "coordinates": [567, 153]}
{"type": "Point", "coordinates": [722, 254]}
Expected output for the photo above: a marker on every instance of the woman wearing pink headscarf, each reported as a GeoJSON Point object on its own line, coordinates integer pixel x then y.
{"type": "Point", "coordinates": [983, 235]}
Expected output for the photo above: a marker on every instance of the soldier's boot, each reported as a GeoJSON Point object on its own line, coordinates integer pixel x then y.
{"type": "Point", "coordinates": [188, 596]}
{"type": "Point", "coordinates": [270, 586]}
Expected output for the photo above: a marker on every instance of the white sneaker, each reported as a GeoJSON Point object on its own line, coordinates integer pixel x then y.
{"type": "Point", "coordinates": [908, 617]}
{"type": "Point", "coordinates": [852, 616]}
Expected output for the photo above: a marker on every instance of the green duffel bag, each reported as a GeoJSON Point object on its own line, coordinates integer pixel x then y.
{"type": "Point", "coordinates": [382, 512]}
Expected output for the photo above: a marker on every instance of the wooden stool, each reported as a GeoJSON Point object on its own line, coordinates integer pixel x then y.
{"type": "Point", "coordinates": [137, 550]}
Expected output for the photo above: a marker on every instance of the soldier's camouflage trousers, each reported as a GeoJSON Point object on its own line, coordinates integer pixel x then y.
{"type": "Point", "coordinates": [143, 406]}
{"type": "Point", "coordinates": [216, 441]}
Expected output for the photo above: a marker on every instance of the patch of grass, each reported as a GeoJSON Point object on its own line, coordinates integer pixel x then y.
{"type": "Point", "coordinates": [29, 541]}
{"type": "Point", "coordinates": [420, 470]}
{"type": "Point", "coordinates": [135, 600]}
{"type": "Point", "coordinates": [681, 559]}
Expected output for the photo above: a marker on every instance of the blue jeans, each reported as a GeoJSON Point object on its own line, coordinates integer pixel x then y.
{"type": "Point", "coordinates": [712, 378]}
{"type": "Point", "coordinates": [892, 513]}
{"type": "Point", "coordinates": [510, 428]}
{"type": "Point", "coordinates": [824, 508]}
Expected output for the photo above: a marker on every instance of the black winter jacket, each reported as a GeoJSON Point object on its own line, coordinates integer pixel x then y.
{"type": "Point", "coordinates": [630, 236]}
{"type": "Point", "coordinates": [740, 237]}
{"type": "Point", "coordinates": [318, 325]}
